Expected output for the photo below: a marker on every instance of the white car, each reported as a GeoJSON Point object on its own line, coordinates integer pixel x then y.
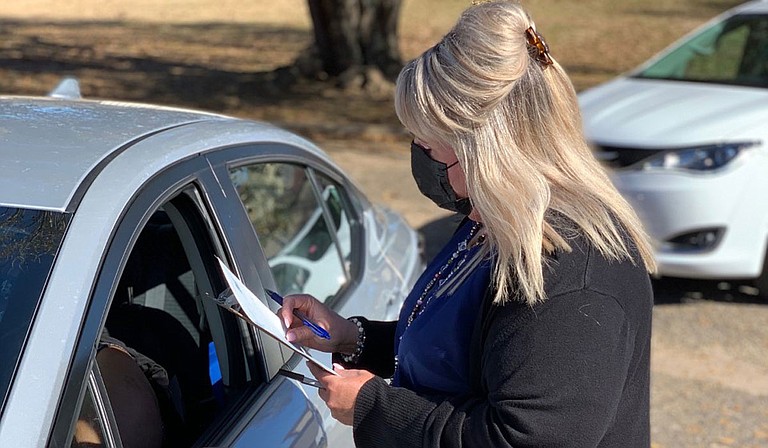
{"type": "Point", "coordinates": [686, 138]}
{"type": "Point", "coordinates": [112, 216]}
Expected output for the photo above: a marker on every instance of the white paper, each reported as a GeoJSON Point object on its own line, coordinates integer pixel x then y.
{"type": "Point", "coordinates": [261, 316]}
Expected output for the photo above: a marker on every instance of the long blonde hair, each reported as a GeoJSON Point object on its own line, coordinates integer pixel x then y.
{"type": "Point", "coordinates": [516, 129]}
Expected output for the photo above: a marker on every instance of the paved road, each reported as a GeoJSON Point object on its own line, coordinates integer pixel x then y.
{"type": "Point", "coordinates": [709, 348]}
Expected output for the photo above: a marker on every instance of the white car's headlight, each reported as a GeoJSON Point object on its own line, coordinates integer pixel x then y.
{"type": "Point", "coordinates": [700, 158]}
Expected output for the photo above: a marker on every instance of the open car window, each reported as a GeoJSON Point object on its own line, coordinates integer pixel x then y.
{"type": "Point", "coordinates": [195, 361]}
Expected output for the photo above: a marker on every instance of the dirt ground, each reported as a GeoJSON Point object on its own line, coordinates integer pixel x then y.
{"type": "Point", "coordinates": [710, 372]}
{"type": "Point", "coordinates": [219, 55]}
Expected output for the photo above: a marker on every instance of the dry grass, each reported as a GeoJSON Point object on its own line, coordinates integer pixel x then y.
{"type": "Point", "coordinates": [213, 55]}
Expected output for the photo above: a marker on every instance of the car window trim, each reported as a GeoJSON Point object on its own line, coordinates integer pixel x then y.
{"type": "Point", "coordinates": [103, 407]}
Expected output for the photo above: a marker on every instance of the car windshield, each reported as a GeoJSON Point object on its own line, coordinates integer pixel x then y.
{"type": "Point", "coordinates": [29, 241]}
{"type": "Point", "coordinates": [733, 51]}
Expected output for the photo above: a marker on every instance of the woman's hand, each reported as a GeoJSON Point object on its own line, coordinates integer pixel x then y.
{"type": "Point", "coordinates": [340, 392]}
{"type": "Point", "coordinates": [343, 332]}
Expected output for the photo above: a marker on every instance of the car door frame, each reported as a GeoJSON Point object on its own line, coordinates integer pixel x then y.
{"type": "Point", "coordinates": [355, 203]}
{"type": "Point", "coordinates": [155, 192]}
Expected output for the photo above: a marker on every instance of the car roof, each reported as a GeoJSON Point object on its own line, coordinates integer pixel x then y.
{"type": "Point", "coordinates": [50, 147]}
{"type": "Point", "coordinates": [758, 7]}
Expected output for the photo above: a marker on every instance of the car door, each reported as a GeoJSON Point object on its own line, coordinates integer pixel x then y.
{"type": "Point", "coordinates": [309, 222]}
{"type": "Point", "coordinates": [213, 378]}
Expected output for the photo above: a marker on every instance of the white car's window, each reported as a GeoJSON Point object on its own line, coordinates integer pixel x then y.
{"type": "Point", "coordinates": [730, 52]}
{"type": "Point", "coordinates": [283, 206]}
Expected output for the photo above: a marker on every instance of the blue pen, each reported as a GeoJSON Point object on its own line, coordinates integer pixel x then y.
{"type": "Point", "coordinates": [317, 329]}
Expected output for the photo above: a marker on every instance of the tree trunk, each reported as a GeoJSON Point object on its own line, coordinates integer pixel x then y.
{"type": "Point", "coordinates": [354, 36]}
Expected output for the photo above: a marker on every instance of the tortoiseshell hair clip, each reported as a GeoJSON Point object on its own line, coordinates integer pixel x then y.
{"type": "Point", "coordinates": [538, 47]}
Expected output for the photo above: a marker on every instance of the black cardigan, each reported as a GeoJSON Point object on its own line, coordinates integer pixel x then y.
{"type": "Point", "coordinates": [572, 371]}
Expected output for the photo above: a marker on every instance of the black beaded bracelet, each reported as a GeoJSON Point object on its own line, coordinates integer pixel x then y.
{"type": "Point", "coordinates": [354, 357]}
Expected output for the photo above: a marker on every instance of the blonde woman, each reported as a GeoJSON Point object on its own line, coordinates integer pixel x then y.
{"type": "Point", "coordinates": [532, 326]}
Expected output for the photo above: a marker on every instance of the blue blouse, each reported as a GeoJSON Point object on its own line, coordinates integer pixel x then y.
{"type": "Point", "coordinates": [433, 352]}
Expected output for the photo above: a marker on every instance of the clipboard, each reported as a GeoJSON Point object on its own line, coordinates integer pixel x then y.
{"type": "Point", "coordinates": [242, 302]}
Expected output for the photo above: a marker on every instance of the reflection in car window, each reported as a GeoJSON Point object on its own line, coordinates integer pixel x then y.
{"type": "Point", "coordinates": [29, 241]}
{"type": "Point", "coordinates": [332, 194]}
{"type": "Point", "coordinates": [734, 51]}
{"type": "Point", "coordinates": [285, 212]}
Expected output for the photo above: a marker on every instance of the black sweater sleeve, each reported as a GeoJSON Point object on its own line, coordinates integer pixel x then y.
{"type": "Point", "coordinates": [551, 375]}
{"type": "Point", "coordinates": [379, 351]}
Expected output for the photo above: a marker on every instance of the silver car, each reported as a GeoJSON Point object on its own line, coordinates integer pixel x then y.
{"type": "Point", "coordinates": [111, 219]}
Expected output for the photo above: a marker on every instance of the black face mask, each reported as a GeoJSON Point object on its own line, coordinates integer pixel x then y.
{"type": "Point", "coordinates": [432, 179]}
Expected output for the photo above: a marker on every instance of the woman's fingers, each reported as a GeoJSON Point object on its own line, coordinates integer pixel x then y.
{"type": "Point", "coordinates": [300, 334]}
{"type": "Point", "coordinates": [319, 373]}
{"type": "Point", "coordinates": [340, 392]}
{"type": "Point", "coordinates": [302, 302]}
{"type": "Point", "coordinates": [315, 311]}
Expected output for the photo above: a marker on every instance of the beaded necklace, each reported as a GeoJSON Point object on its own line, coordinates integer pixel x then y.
{"type": "Point", "coordinates": [438, 279]}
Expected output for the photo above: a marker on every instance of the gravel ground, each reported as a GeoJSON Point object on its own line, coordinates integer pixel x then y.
{"type": "Point", "coordinates": [709, 363]}
{"type": "Point", "coordinates": [710, 374]}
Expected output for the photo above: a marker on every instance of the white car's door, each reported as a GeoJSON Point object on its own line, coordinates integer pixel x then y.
{"type": "Point", "coordinates": [315, 235]}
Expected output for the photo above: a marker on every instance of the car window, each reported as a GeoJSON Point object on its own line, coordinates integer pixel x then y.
{"type": "Point", "coordinates": [734, 51]}
{"type": "Point", "coordinates": [29, 241]}
{"type": "Point", "coordinates": [299, 236]}
{"type": "Point", "coordinates": [89, 427]}
{"type": "Point", "coordinates": [198, 358]}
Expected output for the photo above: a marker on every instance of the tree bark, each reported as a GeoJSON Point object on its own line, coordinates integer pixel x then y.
{"type": "Point", "coordinates": [354, 36]}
